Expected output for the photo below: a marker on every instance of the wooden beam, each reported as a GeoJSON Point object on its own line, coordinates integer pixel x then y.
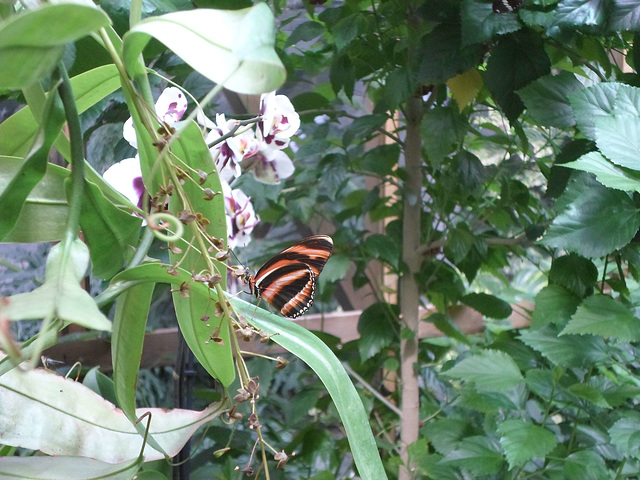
{"type": "Point", "coordinates": [160, 346]}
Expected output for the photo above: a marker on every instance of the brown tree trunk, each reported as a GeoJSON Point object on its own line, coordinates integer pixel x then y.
{"type": "Point", "coordinates": [409, 294]}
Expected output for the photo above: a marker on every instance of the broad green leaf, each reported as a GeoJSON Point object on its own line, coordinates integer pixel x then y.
{"type": "Point", "coordinates": [193, 151]}
{"type": "Point", "coordinates": [607, 174]}
{"type": "Point", "coordinates": [575, 273]}
{"type": "Point", "coordinates": [488, 305]}
{"type": "Point", "coordinates": [470, 170]}
{"type": "Point", "coordinates": [517, 60]}
{"type": "Point", "coordinates": [627, 100]}
{"type": "Point", "coordinates": [443, 323]}
{"type": "Point", "coordinates": [342, 75]}
{"type": "Point", "coordinates": [585, 465]}
{"type": "Point", "coordinates": [581, 12]}
{"type": "Point", "coordinates": [44, 213]}
{"type": "Point", "coordinates": [541, 382]}
{"type": "Point", "coordinates": [446, 433]}
{"type": "Point", "coordinates": [348, 28]}
{"type": "Point", "coordinates": [335, 269]}
{"type": "Point", "coordinates": [567, 350]}
{"type": "Point", "coordinates": [18, 131]}
{"type": "Point", "coordinates": [398, 86]}
{"type": "Point", "coordinates": [442, 130]}
{"type": "Point", "coordinates": [215, 357]}
{"type": "Point", "coordinates": [304, 32]}
{"type": "Point", "coordinates": [546, 99]}
{"type": "Point", "coordinates": [363, 126]}
{"type": "Point", "coordinates": [536, 18]}
{"type": "Point", "coordinates": [66, 468]}
{"type": "Point", "coordinates": [61, 295]}
{"type": "Point", "coordinates": [476, 454]}
{"type": "Point", "coordinates": [618, 138]}
{"type": "Point", "coordinates": [72, 420]}
{"type": "Point", "coordinates": [523, 441]}
{"type": "Point", "coordinates": [593, 102]}
{"type": "Point", "coordinates": [32, 42]}
{"type": "Point", "coordinates": [490, 401]}
{"type": "Point", "coordinates": [554, 304]}
{"type": "Point", "coordinates": [617, 395]}
{"type": "Point", "coordinates": [588, 393]}
{"type": "Point", "coordinates": [625, 434]}
{"type": "Point", "coordinates": [443, 55]}
{"type": "Point", "coordinates": [384, 248]}
{"type": "Point", "coordinates": [33, 167]}
{"type": "Point", "coordinates": [625, 15]}
{"type": "Point", "coordinates": [428, 463]}
{"type": "Point", "coordinates": [558, 176]}
{"type": "Point", "coordinates": [596, 223]}
{"type": "Point", "coordinates": [460, 241]}
{"type": "Point", "coordinates": [381, 159]}
{"type": "Point", "coordinates": [310, 101]}
{"type": "Point", "coordinates": [230, 47]}
{"type": "Point", "coordinates": [480, 24]}
{"type": "Point", "coordinates": [602, 315]}
{"type": "Point", "coordinates": [310, 349]}
{"type": "Point", "coordinates": [489, 370]}
{"type": "Point", "coordinates": [376, 330]}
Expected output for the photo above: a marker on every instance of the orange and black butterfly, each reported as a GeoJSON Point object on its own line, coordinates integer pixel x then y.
{"type": "Point", "coordinates": [288, 280]}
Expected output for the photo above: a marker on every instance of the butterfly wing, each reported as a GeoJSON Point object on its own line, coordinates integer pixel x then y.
{"type": "Point", "coordinates": [288, 280]}
{"type": "Point", "coordinates": [290, 288]}
{"type": "Point", "coordinates": [505, 6]}
{"type": "Point", "coordinates": [312, 251]}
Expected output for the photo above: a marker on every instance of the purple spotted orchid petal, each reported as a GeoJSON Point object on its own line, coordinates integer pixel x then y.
{"type": "Point", "coordinates": [126, 177]}
{"type": "Point", "coordinates": [279, 120]}
{"type": "Point", "coordinates": [241, 216]}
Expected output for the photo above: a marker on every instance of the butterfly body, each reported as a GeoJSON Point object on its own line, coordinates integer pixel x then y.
{"type": "Point", "coordinates": [288, 280]}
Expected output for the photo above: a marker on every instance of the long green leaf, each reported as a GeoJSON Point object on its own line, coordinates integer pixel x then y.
{"type": "Point", "coordinates": [310, 349]}
{"type": "Point", "coordinates": [132, 310]}
{"type": "Point", "coordinates": [18, 131]}
{"type": "Point", "coordinates": [32, 42]}
{"type": "Point", "coordinates": [193, 151]}
{"type": "Point", "coordinates": [34, 166]}
{"type": "Point", "coordinates": [44, 212]}
{"type": "Point", "coordinates": [215, 357]}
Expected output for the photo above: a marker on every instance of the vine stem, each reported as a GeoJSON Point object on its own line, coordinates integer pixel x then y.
{"type": "Point", "coordinates": [77, 155]}
{"type": "Point", "coordinates": [77, 189]}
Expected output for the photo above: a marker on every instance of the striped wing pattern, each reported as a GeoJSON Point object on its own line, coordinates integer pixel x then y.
{"type": "Point", "coordinates": [505, 6]}
{"type": "Point", "coordinates": [288, 280]}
